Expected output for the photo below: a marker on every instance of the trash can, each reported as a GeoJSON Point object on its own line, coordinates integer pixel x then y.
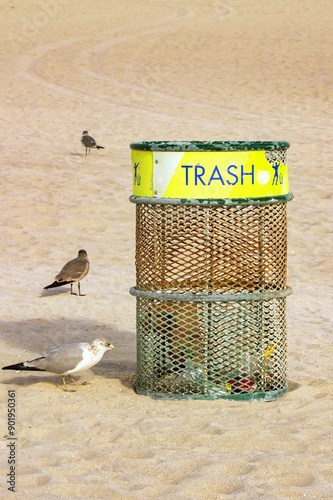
{"type": "Point", "coordinates": [211, 269]}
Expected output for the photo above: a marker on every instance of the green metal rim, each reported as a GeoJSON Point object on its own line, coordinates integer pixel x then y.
{"type": "Point", "coordinates": [259, 396]}
{"type": "Point", "coordinates": [209, 145]}
{"type": "Point", "coordinates": [212, 201]}
{"type": "Point", "coordinates": [227, 297]}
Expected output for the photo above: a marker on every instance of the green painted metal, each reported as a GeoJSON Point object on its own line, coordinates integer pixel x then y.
{"type": "Point", "coordinates": [209, 145]}
{"type": "Point", "coordinates": [196, 350]}
{"type": "Point", "coordinates": [212, 201]}
{"type": "Point", "coordinates": [259, 396]}
{"type": "Point", "coordinates": [227, 297]}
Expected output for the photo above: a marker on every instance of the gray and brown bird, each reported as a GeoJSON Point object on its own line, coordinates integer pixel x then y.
{"type": "Point", "coordinates": [74, 271]}
{"type": "Point", "coordinates": [89, 142]}
{"type": "Point", "coordinates": [66, 359]}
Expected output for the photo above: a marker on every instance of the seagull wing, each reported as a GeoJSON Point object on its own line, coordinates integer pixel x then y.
{"type": "Point", "coordinates": [88, 141]}
{"type": "Point", "coordinates": [60, 359]}
{"type": "Point", "coordinates": [74, 270]}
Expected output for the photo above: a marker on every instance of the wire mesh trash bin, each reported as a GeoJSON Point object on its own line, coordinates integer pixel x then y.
{"type": "Point", "coordinates": [211, 267]}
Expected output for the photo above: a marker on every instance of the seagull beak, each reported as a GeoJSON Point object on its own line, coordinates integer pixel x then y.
{"type": "Point", "coordinates": [110, 346]}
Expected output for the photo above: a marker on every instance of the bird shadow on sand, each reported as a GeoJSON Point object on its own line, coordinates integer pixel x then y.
{"type": "Point", "coordinates": [35, 337]}
{"type": "Point", "coordinates": [59, 290]}
{"type": "Point", "coordinates": [55, 291]}
{"type": "Point", "coordinates": [84, 154]}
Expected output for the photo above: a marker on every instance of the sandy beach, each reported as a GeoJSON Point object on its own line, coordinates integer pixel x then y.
{"type": "Point", "coordinates": [134, 71]}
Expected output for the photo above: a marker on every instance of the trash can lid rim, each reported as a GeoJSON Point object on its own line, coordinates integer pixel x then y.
{"type": "Point", "coordinates": [209, 145]}
{"type": "Point", "coordinates": [204, 202]}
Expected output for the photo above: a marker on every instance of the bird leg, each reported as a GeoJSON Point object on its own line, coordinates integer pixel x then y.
{"type": "Point", "coordinates": [79, 288]}
{"type": "Point", "coordinates": [65, 386]}
{"type": "Point", "coordinates": [72, 293]}
{"type": "Point", "coordinates": [75, 382]}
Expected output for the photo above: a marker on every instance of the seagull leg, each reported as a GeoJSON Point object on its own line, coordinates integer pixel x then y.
{"type": "Point", "coordinates": [75, 382]}
{"type": "Point", "coordinates": [65, 386]}
{"type": "Point", "coordinates": [79, 288]}
{"type": "Point", "coordinates": [72, 293]}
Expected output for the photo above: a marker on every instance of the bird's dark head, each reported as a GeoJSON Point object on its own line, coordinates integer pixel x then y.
{"type": "Point", "coordinates": [85, 132]}
{"type": "Point", "coordinates": [82, 253]}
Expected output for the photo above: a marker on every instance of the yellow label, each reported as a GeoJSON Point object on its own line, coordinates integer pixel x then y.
{"type": "Point", "coordinates": [142, 163]}
{"type": "Point", "coordinates": [199, 175]}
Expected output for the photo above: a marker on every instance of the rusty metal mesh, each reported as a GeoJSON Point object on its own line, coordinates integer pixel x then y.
{"type": "Point", "coordinates": [210, 349]}
{"type": "Point", "coordinates": [211, 249]}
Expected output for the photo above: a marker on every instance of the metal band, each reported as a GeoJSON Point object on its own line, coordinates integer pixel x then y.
{"type": "Point", "coordinates": [211, 202]}
{"type": "Point", "coordinates": [227, 297]}
{"type": "Point", "coordinates": [210, 146]}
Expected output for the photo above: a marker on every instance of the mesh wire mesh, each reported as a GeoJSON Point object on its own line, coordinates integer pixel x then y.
{"type": "Point", "coordinates": [276, 155]}
{"type": "Point", "coordinates": [211, 249]}
{"type": "Point", "coordinates": [211, 349]}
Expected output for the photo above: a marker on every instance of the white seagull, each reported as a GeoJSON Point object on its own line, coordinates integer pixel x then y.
{"type": "Point", "coordinates": [74, 270]}
{"type": "Point", "coordinates": [67, 359]}
{"type": "Point", "coordinates": [89, 142]}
